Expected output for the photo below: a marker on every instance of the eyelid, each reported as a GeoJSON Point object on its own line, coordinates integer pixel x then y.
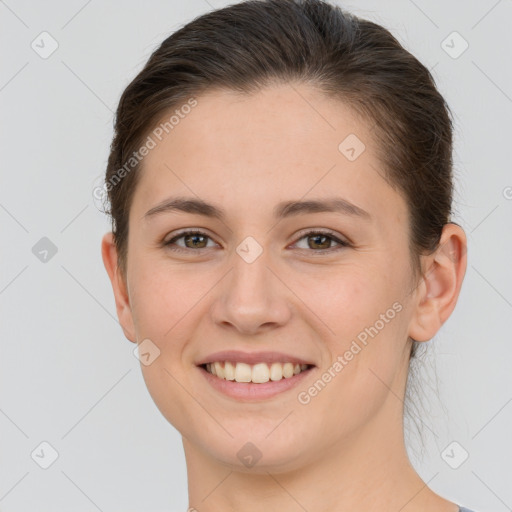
{"type": "Point", "coordinates": [322, 231]}
{"type": "Point", "coordinates": [186, 231]}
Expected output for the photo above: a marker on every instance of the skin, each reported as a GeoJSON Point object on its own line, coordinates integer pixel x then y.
{"type": "Point", "coordinates": [344, 450]}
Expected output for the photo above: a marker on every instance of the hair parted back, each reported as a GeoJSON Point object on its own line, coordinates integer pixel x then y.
{"type": "Point", "coordinates": [256, 43]}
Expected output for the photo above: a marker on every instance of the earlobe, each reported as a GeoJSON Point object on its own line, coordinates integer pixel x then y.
{"type": "Point", "coordinates": [119, 286]}
{"type": "Point", "coordinates": [440, 285]}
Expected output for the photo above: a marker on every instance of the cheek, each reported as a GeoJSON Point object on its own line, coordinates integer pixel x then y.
{"type": "Point", "coordinates": [163, 297]}
{"type": "Point", "coordinates": [346, 299]}
{"type": "Point", "coordinates": [165, 311]}
{"type": "Point", "coordinates": [365, 313]}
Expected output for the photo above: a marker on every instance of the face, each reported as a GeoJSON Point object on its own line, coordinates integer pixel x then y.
{"type": "Point", "coordinates": [331, 288]}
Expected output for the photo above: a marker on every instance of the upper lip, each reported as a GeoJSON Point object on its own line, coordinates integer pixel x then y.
{"type": "Point", "coordinates": [252, 358]}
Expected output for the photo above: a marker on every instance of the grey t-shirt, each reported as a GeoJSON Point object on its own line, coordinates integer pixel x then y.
{"type": "Point", "coordinates": [462, 509]}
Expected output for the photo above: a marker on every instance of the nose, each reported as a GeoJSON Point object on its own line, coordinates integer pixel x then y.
{"type": "Point", "coordinates": [252, 297]}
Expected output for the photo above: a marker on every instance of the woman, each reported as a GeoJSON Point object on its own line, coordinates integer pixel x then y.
{"type": "Point", "coordinates": [280, 186]}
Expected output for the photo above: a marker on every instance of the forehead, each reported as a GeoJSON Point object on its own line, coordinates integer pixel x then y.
{"type": "Point", "coordinates": [282, 142]}
{"type": "Point", "coordinates": [289, 122]}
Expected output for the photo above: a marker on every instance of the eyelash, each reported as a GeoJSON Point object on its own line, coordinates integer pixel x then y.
{"type": "Point", "coordinates": [342, 244]}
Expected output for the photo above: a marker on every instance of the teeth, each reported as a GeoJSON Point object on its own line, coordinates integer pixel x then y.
{"type": "Point", "coordinates": [219, 370]}
{"type": "Point", "coordinates": [276, 371]}
{"type": "Point", "coordinates": [258, 373]}
{"type": "Point", "coordinates": [287, 370]}
{"type": "Point", "coordinates": [229, 371]}
{"type": "Point", "coordinates": [242, 372]}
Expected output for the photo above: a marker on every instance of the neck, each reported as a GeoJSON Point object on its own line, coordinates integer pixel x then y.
{"type": "Point", "coordinates": [369, 470]}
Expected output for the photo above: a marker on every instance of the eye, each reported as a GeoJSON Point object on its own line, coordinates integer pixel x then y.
{"type": "Point", "coordinates": [320, 241]}
{"type": "Point", "coordinates": [193, 240]}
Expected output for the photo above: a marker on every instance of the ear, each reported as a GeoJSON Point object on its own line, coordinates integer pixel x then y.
{"type": "Point", "coordinates": [440, 284]}
{"type": "Point", "coordinates": [124, 313]}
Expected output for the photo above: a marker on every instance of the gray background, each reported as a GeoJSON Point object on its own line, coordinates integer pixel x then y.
{"type": "Point", "coordinates": [68, 376]}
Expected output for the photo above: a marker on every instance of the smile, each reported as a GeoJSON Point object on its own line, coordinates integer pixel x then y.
{"type": "Point", "coordinates": [249, 383]}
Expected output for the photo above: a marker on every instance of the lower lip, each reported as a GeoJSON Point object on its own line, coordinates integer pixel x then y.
{"type": "Point", "coordinates": [251, 391]}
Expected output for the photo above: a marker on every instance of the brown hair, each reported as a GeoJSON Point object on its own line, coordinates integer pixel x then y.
{"type": "Point", "coordinates": [252, 44]}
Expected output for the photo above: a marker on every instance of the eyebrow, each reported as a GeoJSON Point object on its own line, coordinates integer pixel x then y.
{"type": "Point", "coordinates": [281, 210]}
